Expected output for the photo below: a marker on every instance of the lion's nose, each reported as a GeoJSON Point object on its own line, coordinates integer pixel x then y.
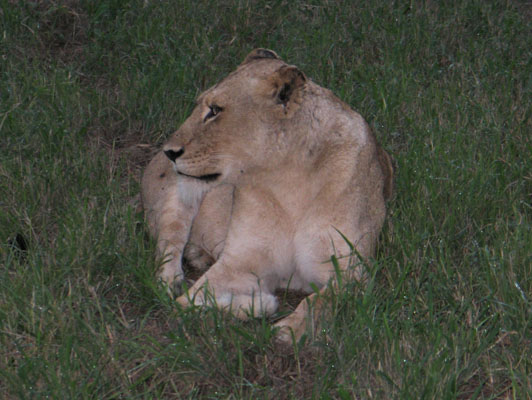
{"type": "Point", "coordinates": [174, 154]}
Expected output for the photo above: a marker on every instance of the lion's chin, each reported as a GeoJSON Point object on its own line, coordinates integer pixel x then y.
{"type": "Point", "coordinates": [204, 178]}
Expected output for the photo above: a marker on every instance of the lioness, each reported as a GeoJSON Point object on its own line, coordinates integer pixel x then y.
{"type": "Point", "coordinates": [266, 179]}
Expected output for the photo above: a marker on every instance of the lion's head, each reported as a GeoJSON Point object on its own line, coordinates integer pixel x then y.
{"type": "Point", "coordinates": [240, 123]}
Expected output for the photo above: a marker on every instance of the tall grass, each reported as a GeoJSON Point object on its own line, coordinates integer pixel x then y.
{"type": "Point", "coordinates": [90, 88]}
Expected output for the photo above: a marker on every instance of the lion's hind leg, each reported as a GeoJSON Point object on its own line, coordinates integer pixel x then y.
{"type": "Point", "coordinates": [320, 270]}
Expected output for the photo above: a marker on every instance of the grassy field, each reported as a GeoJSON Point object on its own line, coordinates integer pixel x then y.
{"type": "Point", "coordinates": [90, 88]}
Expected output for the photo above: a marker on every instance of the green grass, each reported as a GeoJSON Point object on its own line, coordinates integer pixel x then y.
{"type": "Point", "coordinates": [88, 90]}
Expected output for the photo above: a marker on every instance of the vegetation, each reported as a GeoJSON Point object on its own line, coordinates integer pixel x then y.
{"type": "Point", "coordinates": [90, 88]}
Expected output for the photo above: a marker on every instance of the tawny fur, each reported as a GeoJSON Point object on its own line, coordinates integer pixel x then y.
{"type": "Point", "coordinates": [267, 170]}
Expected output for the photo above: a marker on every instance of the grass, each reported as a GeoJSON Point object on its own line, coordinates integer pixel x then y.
{"type": "Point", "coordinates": [90, 88]}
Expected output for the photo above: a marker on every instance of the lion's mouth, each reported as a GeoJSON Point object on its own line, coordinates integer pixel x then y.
{"type": "Point", "coordinates": [204, 178]}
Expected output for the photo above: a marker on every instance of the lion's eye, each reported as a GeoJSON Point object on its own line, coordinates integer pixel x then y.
{"type": "Point", "coordinates": [214, 110]}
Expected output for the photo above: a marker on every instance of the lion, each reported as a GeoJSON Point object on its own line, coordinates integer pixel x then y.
{"type": "Point", "coordinates": [271, 182]}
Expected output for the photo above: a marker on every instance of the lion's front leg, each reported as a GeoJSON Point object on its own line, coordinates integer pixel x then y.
{"type": "Point", "coordinates": [232, 286]}
{"type": "Point", "coordinates": [209, 230]}
{"type": "Point", "coordinates": [169, 218]}
{"type": "Point", "coordinates": [246, 273]}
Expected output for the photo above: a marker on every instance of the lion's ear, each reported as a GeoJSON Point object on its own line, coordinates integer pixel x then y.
{"type": "Point", "coordinates": [288, 82]}
{"type": "Point", "coordinates": [258, 54]}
